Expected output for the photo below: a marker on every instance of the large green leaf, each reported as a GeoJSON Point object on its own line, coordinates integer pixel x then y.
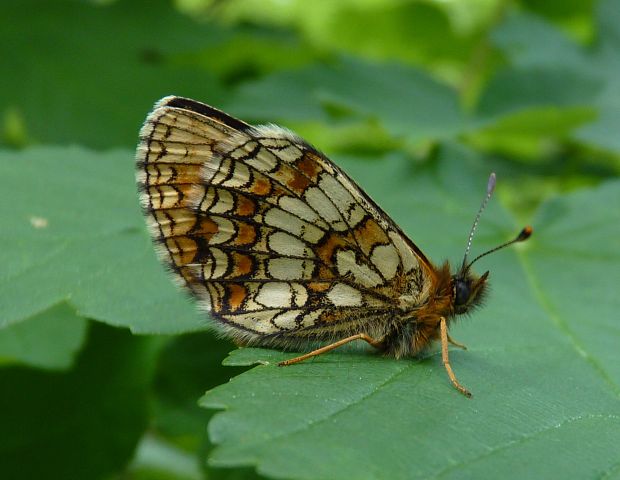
{"type": "Point", "coordinates": [73, 232]}
{"type": "Point", "coordinates": [542, 362]}
{"type": "Point", "coordinates": [84, 423]}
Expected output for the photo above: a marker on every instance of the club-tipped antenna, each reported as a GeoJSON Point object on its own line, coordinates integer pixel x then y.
{"type": "Point", "coordinates": [523, 235]}
{"type": "Point", "coordinates": [490, 189]}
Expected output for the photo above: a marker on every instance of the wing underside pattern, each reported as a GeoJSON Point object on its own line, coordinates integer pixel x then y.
{"type": "Point", "coordinates": [268, 234]}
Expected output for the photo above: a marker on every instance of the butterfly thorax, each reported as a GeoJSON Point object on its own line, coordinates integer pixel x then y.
{"type": "Point", "coordinates": [449, 295]}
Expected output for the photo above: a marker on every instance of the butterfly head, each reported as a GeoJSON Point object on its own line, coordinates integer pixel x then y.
{"type": "Point", "coordinates": [468, 290]}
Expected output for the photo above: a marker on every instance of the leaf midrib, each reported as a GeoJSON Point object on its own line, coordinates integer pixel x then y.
{"type": "Point", "coordinates": [562, 325]}
{"type": "Point", "coordinates": [521, 440]}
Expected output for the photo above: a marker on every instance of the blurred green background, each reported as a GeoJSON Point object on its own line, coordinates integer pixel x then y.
{"type": "Point", "coordinates": [529, 87]}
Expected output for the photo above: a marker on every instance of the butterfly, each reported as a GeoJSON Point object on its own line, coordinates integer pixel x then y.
{"type": "Point", "coordinates": [282, 248]}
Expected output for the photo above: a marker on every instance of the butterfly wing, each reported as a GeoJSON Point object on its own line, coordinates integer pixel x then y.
{"type": "Point", "coordinates": [271, 237]}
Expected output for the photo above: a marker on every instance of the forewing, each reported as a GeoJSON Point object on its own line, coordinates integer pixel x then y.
{"type": "Point", "coordinates": [265, 231]}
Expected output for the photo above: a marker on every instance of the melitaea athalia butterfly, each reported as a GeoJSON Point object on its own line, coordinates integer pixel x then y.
{"type": "Point", "coordinates": [282, 248]}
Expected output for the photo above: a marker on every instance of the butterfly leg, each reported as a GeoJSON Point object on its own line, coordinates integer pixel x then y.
{"type": "Point", "coordinates": [455, 343]}
{"type": "Point", "coordinates": [446, 361]}
{"type": "Point", "coordinates": [332, 346]}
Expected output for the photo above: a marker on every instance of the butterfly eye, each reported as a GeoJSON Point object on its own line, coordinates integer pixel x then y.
{"type": "Point", "coordinates": [462, 292]}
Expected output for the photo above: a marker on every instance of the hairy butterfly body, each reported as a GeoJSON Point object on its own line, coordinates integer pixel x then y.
{"type": "Point", "coordinates": [281, 247]}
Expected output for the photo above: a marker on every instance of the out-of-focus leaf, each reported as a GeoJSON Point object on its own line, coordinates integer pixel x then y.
{"type": "Point", "coordinates": [77, 72]}
{"type": "Point", "coordinates": [50, 339]}
{"type": "Point", "coordinates": [404, 100]}
{"type": "Point", "coordinates": [518, 34]}
{"type": "Point", "coordinates": [604, 132]}
{"type": "Point", "coordinates": [156, 459]}
{"type": "Point", "coordinates": [187, 366]}
{"type": "Point", "coordinates": [514, 91]}
{"type": "Point", "coordinates": [575, 15]}
{"type": "Point", "coordinates": [548, 69]}
{"type": "Point", "coordinates": [81, 424]}
{"type": "Point", "coordinates": [253, 52]}
{"type": "Point", "coordinates": [534, 134]}
{"type": "Point", "coordinates": [543, 359]}
{"type": "Point", "coordinates": [414, 32]}
{"type": "Point", "coordinates": [544, 95]}
{"type": "Point", "coordinates": [73, 232]}
{"type": "Point", "coordinates": [428, 31]}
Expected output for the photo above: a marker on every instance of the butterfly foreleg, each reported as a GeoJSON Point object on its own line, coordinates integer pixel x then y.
{"type": "Point", "coordinates": [327, 348]}
{"type": "Point", "coordinates": [445, 339]}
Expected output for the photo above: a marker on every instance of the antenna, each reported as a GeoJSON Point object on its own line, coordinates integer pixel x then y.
{"type": "Point", "coordinates": [490, 189]}
{"type": "Point", "coordinates": [523, 235]}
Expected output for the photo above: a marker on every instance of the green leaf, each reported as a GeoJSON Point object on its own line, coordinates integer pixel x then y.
{"type": "Point", "coordinates": [81, 424]}
{"type": "Point", "coordinates": [187, 366]}
{"type": "Point", "coordinates": [575, 15]}
{"type": "Point", "coordinates": [414, 32]}
{"type": "Point", "coordinates": [513, 90]}
{"type": "Point", "coordinates": [254, 51]}
{"type": "Point", "coordinates": [406, 101]}
{"type": "Point", "coordinates": [603, 132]}
{"type": "Point", "coordinates": [89, 73]}
{"type": "Point", "coordinates": [549, 69]}
{"type": "Point", "coordinates": [50, 339]}
{"type": "Point", "coordinates": [559, 9]}
{"type": "Point", "coordinates": [531, 134]}
{"type": "Point", "coordinates": [543, 361]}
{"type": "Point", "coordinates": [431, 31]}
{"type": "Point", "coordinates": [545, 94]}
{"type": "Point", "coordinates": [73, 232]}
{"type": "Point", "coordinates": [578, 253]}
{"type": "Point", "coordinates": [157, 460]}
{"type": "Point", "coordinates": [519, 34]}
